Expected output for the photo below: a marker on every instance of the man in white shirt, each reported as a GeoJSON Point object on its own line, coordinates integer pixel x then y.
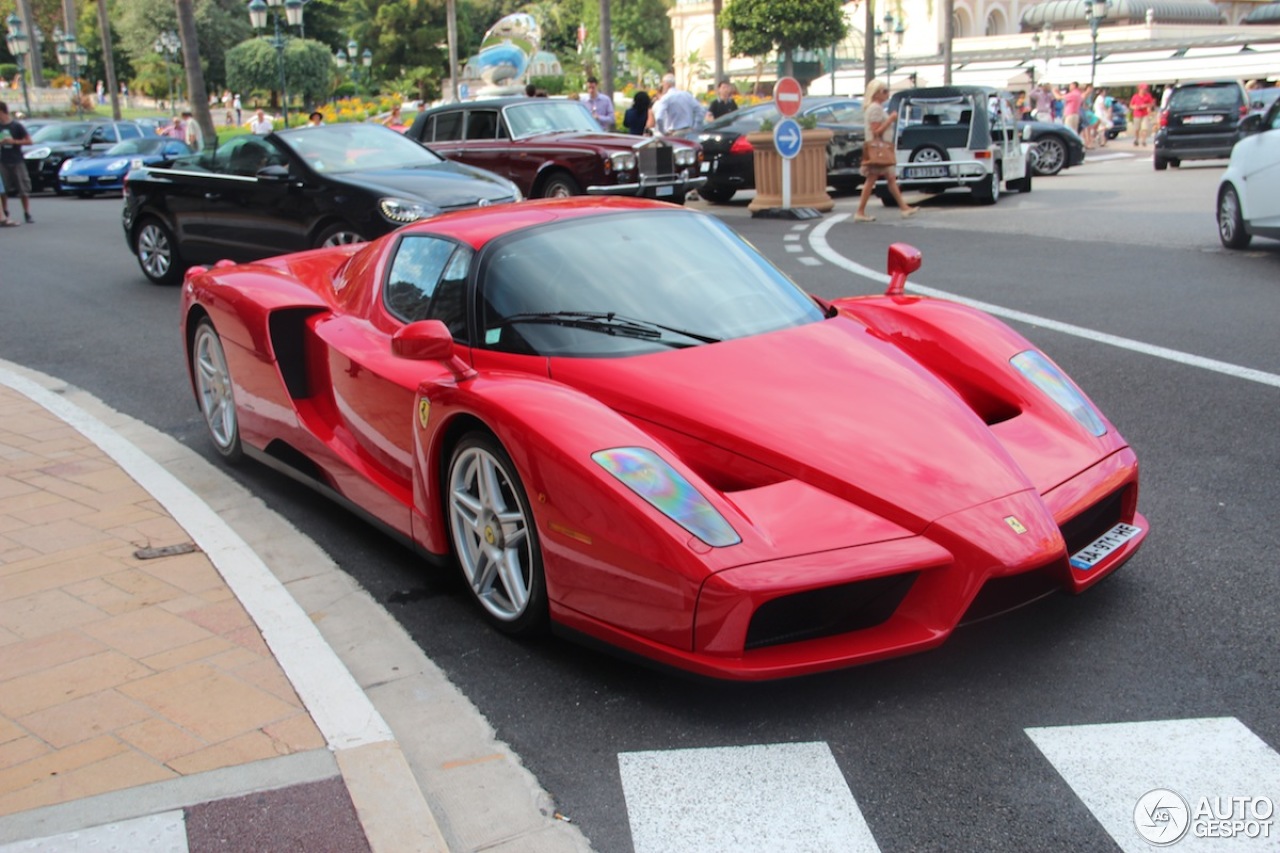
{"type": "Point", "coordinates": [260, 125]}
{"type": "Point", "coordinates": [676, 110]}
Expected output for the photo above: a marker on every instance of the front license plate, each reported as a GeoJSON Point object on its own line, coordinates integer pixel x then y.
{"type": "Point", "coordinates": [1096, 551]}
{"type": "Point", "coordinates": [76, 179]}
{"type": "Point", "coordinates": [925, 172]}
{"type": "Point", "coordinates": [665, 191]}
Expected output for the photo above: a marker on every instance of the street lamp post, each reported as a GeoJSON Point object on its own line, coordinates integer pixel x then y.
{"type": "Point", "coordinates": [72, 56]}
{"type": "Point", "coordinates": [894, 29]}
{"type": "Point", "coordinates": [293, 17]}
{"type": "Point", "coordinates": [168, 43]}
{"type": "Point", "coordinates": [1095, 12]}
{"type": "Point", "coordinates": [19, 46]}
{"type": "Point", "coordinates": [1052, 44]}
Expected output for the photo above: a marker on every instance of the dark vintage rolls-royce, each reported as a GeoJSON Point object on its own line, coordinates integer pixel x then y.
{"type": "Point", "coordinates": [553, 148]}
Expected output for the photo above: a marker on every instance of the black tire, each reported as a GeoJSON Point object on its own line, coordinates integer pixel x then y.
{"type": "Point", "coordinates": [1050, 156]}
{"type": "Point", "coordinates": [338, 234]}
{"type": "Point", "coordinates": [486, 529]}
{"type": "Point", "coordinates": [560, 185]}
{"type": "Point", "coordinates": [988, 192]}
{"type": "Point", "coordinates": [1231, 228]}
{"type": "Point", "coordinates": [716, 195]}
{"type": "Point", "coordinates": [1174, 162]}
{"type": "Point", "coordinates": [1024, 184]}
{"type": "Point", "coordinates": [211, 379]}
{"type": "Point", "coordinates": [1160, 163]}
{"type": "Point", "coordinates": [928, 153]}
{"type": "Point", "coordinates": [157, 252]}
{"type": "Point", "coordinates": [676, 198]}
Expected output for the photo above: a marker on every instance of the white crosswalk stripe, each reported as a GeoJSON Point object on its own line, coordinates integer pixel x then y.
{"type": "Point", "coordinates": [774, 798]}
{"type": "Point", "coordinates": [1204, 762]}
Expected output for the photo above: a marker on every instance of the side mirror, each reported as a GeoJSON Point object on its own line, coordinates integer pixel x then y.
{"type": "Point", "coordinates": [904, 259]}
{"type": "Point", "coordinates": [425, 340]}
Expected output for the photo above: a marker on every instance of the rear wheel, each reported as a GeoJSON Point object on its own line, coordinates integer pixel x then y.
{"type": "Point", "coordinates": [157, 253]}
{"type": "Point", "coordinates": [988, 192]}
{"type": "Point", "coordinates": [560, 185]}
{"type": "Point", "coordinates": [1160, 163]}
{"type": "Point", "coordinates": [1049, 156]}
{"type": "Point", "coordinates": [214, 391]}
{"type": "Point", "coordinates": [716, 195]}
{"type": "Point", "coordinates": [494, 535]}
{"type": "Point", "coordinates": [1231, 230]}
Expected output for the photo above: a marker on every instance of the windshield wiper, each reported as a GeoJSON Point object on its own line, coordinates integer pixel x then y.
{"type": "Point", "coordinates": [607, 322]}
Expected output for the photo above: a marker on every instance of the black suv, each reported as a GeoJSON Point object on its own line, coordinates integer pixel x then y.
{"type": "Point", "coordinates": [1200, 122]}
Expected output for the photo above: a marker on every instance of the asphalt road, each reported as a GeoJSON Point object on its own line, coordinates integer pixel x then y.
{"type": "Point", "coordinates": [1117, 274]}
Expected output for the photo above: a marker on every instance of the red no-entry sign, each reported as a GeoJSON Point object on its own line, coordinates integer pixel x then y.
{"type": "Point", "coordinates": [786, 96]}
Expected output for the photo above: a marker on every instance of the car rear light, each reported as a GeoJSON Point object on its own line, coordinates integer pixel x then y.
{"type": "Point", "coordinates": [984, 154]}
{"type": "Point", "coordinates": [1164, 118]}
{"type": "Point", "coordinates": [740, 145]}
{"type": "Point", "coordinates": [1244, 110]}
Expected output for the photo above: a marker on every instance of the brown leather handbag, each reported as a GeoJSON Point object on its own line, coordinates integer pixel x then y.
{"type": "Point", "coordinates": [877, 152]}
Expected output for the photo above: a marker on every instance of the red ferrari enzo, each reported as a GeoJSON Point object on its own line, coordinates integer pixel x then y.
{"type": "Point", "coordinates": [622, 422]}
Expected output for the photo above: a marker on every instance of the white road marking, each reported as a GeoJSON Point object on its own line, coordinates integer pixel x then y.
{"type": "Point", "coordinates": [794, 247]}
{"type": "Point", "coordinates": [767, 798]}
{"type": "Point", "coordinates": [159, 833]}
{"type": "Point", "coordinates": [1111, 767]}
{"type": "Point", "coordinates": [809, 262]}
{"type": "Point", "coordinates": [800, 227]}
{"type": "Point", "coordinates": [791, 237]}
{"type": "Point", "coordinates": [818, 242]}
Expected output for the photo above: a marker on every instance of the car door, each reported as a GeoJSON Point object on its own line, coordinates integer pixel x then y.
{"type": "Point", "coordinates": [252, 210]}
{"type": "Point", "coordinates": [375, 392]}
{"type": "Point", "coordinates": [1260, 157]}
{"type": "Point", "coordinates": [485, 142]}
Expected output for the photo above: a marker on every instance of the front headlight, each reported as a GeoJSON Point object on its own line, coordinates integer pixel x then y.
{"type": "Point", "coordinates": [38, 153]}
{"type": "Point", "coordinates": [1053, 382]}
{"type": "Point", "coordinates": [666, 490]}
{"type": "Point", "coordinates": [686, 156]}
{"type": "Point", "coordinates": [516, 195]}
{"type": "Point", "coordinates": [118, 165]}
{"type": "Point", "coordinates": [404, 211]}
{"type": "Point", "coordinates": [622, 161]}
{"type": "Point", "coordinates": [66, 164]}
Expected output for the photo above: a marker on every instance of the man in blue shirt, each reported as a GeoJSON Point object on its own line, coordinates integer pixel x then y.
{"type": "Point", "coordinates": [599, 104]}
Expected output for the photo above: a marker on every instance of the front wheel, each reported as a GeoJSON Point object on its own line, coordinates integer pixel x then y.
{"type": "Point", "coordinates": [715, 195]}
{"type": "Point", "coordinates": [560, 186]}
{"type": "Point", "coordinates": [214, 391]}
{"type": "Point", "coordinates": [157, 253]}
{"type": "Point", "coordinates": [1231, 230]}
{"type": "Point", "coordinates": [494, 536]}
{"type": "Point", "coordinates": [1050, 156]}
{"type": "Point", "coordinates": [340, 234]}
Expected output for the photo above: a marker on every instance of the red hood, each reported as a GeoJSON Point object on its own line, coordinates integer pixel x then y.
{"type": "Point", "coordinates": [829, 403]}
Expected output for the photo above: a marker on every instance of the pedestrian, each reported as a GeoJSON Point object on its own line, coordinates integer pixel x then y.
{"type": "Point", "coordinates": [599, 104]}
{"type": "Point", "coordinates": [724, 102]}
{"type": "Point", "coordinates": [1140, 107]}
{"type": "Point", "coordinates": [636, 118]}
{"type": "Point", "coordinates": [676, 111]}
{"type": "Point", "coordinates": [13, 169]}
{"type": "Point", "coordinates": [316, 119]}
{"type": "Point", "coordinates": [1102, 109]}
{"type": "Point", "coordinates": [191, 132]}
{"type": "Point", "coordinates": [235, 105]}
{"type": "Point", "coordinates": [394, 120]}
{"type": "Point", "coordinates": [1071, 101]}
{"type": "Point", "coordinates": [1042, 102]}
{"type": "Point", "coordinates": [124, 94]}
{"type": "Point", "coordinates": [884, 127]}
{"type": "Point", "coordinates": [260, 125]}
{"type": "Point", "coordinates": [102, 92]}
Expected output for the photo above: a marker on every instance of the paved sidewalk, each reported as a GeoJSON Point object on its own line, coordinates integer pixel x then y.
{"type": "Point", "coordinates": [163, 688]}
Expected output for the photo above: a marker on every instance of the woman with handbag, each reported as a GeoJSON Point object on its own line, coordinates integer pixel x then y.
{"type": "Point", "coordinates": [879, 151]}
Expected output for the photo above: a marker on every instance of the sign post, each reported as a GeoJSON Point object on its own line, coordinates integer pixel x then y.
{"type": "Point", "coordinates": [787, 96]}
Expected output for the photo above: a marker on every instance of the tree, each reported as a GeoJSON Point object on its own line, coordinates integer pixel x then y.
{"type": "Point", "coordinates": [757, 27]}
{"type": "Point", "coordinates": [308, 68]}
{"type": "Point", "coordinates": [199, 100]}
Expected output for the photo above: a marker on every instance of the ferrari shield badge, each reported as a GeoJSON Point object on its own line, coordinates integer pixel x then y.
{"type": "Point", "coordinates": [424, 411]}
{"type": "Point", "coordinates": [1011, 520]}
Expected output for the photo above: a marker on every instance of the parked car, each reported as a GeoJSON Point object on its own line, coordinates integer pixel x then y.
{"type": "Point", "coordinates": [591, 450]}
{"type": "Point", "coordinates": [1200, 122]}
{"type": "Point", "coordinates": [959, 136]}
{"type": "Point", "coordinates": [91, 173]}
{"type": "Point", "coordinates": [258, 196]}
{"type": "Point", "coordinates": [553, 148]}
{"type": "Point", "coordinates": [55, 143]}
{"type": "Point", "coordinates": [1260, 100]}
{"type": "Point", "coordinates": [1054, 147]}
{"type": "Point", "coordinates": [1249, 192]}
{"type": "Point", "coordinates": [1119, 119]}
{"type": "Point", "coordinates": [729, 164]}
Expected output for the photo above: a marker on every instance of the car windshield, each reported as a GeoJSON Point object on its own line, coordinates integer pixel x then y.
{"type": "Point", "coordinates": [543, 115]}
{"type": "Point", "coordinates": [70, 132]}
{"type": "Point", "coordinates": [937, 111]}
{"type": "Point", "coordinates": [594, 287]}
{"type": "Point", "coordinates": [1205, 98]}
{"type": "Point", "coordinates": [356, 147]}
{"type": "Point", "coordinates": [142, 145]}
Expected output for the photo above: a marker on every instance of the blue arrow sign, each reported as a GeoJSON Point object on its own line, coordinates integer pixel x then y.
{"type": "Point", "coordinates": [786, 138]}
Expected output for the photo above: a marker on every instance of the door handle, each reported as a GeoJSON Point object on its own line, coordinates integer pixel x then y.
{"type": "Point", "coordinates": [212, 196]}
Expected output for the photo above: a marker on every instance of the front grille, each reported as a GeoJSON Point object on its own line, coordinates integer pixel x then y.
{"type": "Point", "coordinates": [828, 611]}
{"type": "Point", "coordinates": [1093, 522]}
{"type": "Point", "coordinates": [657, 159]}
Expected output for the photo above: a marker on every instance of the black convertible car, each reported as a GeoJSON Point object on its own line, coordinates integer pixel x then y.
{"type": "Point", "coordinates": [1054, 147]}
{"type": "Point", "coordinates": [260, 196]}
{"type": "Point", "coordinates": [729, 166]}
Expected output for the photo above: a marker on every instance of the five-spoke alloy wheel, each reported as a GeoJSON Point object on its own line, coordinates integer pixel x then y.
{"type": "Point", "coordinates": [214, 391]}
